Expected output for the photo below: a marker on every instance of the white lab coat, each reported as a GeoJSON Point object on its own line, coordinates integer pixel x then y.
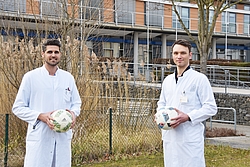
{"type": "Point", "coordinates": [193, 95]}
{"type": "Point", "coordinates": [40, 92]}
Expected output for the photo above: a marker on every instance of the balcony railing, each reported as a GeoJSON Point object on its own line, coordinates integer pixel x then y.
{"type": "Point", "coordinates": [219, 76]}
{"type": "Point", "coordinates": [120, 18]}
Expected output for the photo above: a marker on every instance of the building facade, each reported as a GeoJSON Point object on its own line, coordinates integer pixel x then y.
{"type": "Point", "coordinates": [136, 30]}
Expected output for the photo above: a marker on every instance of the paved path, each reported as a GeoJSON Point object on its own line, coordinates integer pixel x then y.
{"type": "Point", "coordinates": [231, 90]}
{"type": "Point", "coordinates": [242, 142]}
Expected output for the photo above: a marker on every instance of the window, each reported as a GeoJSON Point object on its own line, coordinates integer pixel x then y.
{"type": "Point", "coordinates": [232, 23]}
{"type": "Point", "coordinates": [124, 11]}
{"type": "Point", "coordinates": [246, 20]}
{"type": "Point", "coordinates": [108, 49]}
{"type": "Point", "coordinates": [155, 12]}
{"type": "Point", "coordinates": [128, 47]}
{"type": "Point", "coordinates": [232, 7]}
{"type": "Point", "coordinates": [13, 5]}
{"type": "Point", "coordinates": [97, 48]}
{"type": "Point", "coordinates": [91, 9]}
{"type": "Point", "coordinates": [229, 23]}
{"type": "Point", "coordinates": [247, 7]}
{"type": "Point", "coordinates": [246, 24]}
{"type": "Point", "coordinates": [121, 50]}
{"type": "Point", "coordinates": [52, 8]}
{"type": "Point", "coordinates": [211, 14]}
{"type": "Point", "coordinates": [143, 53]}
{"type": "Point", "coordinates": [184, 13]}
{"type": "Point", "coordinates": [156, 51]}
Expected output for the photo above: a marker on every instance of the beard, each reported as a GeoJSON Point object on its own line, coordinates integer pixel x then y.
{"type": "Point", "coordinates": [52, 63]}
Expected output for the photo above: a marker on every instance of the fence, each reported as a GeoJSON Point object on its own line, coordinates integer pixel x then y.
{"type": "Point", "coordinates": [12, 144]}
{"type": "Point", "coordinates": [97, 134]}
{"type": "Point", "coordinates": [110, 134]}
{"type": "Point", "coordinates": [220, 76]}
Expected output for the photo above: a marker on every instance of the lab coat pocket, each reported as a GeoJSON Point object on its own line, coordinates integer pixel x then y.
{"type": "Point", "coordinates": [34, 134]}
{"type": "Point", "coordinates": [67, 97]}
{"type": "Point", "coordinates": [65, 137]}
{"type": "Point", "coordinates": [193, 133]}
{"type": "Point", "coordinates": [70, 134]}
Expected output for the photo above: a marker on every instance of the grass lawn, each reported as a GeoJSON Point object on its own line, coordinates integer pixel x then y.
{"type": "Point", "coordinates": [216, 156]}
{"type": "Point", "coordinates": [138, 161]}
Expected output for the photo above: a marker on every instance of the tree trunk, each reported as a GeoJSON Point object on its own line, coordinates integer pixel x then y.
{"type": "Point", "coordinates": [203, 62]}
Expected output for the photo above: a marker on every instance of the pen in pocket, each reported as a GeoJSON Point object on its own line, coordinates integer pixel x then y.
{"type": "Point", "coordinates": [34, 126]}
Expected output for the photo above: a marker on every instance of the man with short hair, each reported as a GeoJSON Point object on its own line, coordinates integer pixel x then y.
{"type": "Point", "coordinates": [190, 93]}
{"type": "Point", "coordinates": [42, 91]}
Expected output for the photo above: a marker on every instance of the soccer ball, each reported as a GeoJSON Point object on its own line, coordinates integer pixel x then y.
{"type": "Point", "coordinates": [163, 117]}
{"type": "Point", "coordinates": [62, 120]}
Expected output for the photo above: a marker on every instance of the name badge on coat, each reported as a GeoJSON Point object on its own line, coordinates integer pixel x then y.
{"type": "Point", "coordinates": [183, 98]}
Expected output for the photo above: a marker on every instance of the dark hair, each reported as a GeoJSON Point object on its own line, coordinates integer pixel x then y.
{"type": "Point", "coordinates": [183, 42]}
{"type": "Point", "coordinates": [55, 42]}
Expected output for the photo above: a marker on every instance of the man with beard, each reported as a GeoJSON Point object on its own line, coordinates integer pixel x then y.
{"type": "Point", "coordinates": [42, 91]}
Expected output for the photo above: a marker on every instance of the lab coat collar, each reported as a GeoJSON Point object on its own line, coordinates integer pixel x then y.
{"type": "Point", "coordinates": [47, 72]}
{"type": "Point", "coordinates": [176, 78]}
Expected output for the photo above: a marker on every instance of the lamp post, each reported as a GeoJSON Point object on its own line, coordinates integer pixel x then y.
{"type": "Point", "coordinates": [147, 69]}
{"type": "Point", "coordinates": [81, 47]}
{"type": "Point", "coordinates": [226, 20]}
{"type": "Point", "coordinates": [176, 29]}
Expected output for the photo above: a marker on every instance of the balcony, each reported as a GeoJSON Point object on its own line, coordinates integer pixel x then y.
{"type": "Point", "coordinates": [109, 18]}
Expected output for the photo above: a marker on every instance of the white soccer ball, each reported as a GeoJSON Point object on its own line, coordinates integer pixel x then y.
{"type": "Point", "coordinates": [163, 117]}
{"type": "Point", "coordinates": [62, 120]}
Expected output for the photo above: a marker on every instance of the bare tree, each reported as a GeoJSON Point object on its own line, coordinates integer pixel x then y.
{"type": "Point", "coordinates": [71, 21]}
{"type": "Point", "coordinates": [205, 27]}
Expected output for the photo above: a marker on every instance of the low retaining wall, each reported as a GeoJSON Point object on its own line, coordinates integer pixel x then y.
{"type": "Point", "coordinates": [241, 103]}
